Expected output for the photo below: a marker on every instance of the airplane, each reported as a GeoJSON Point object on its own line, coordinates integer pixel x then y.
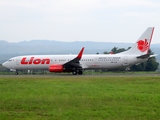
{"type": "Point", "coordinates": [78, 63]}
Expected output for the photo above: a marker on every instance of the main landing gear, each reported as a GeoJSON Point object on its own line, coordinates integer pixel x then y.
{"type": "Point", "coordinates": [79, 72]}
{"type": "Point", "coordinates": [16, 73]}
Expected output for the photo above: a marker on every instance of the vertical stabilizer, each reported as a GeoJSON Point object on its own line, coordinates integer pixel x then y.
{"type": "Point", "coordinates": [142, 45]}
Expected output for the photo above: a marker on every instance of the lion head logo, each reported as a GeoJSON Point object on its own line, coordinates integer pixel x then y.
{"type": "Point", "coordinates": [143, 45]}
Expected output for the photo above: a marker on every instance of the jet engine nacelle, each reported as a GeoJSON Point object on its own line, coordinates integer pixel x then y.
{"type": "Point", "coordinates": [56, 68]}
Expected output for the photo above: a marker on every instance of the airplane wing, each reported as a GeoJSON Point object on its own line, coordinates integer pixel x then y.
{"type": "Point", "coordinates": [74, 64]}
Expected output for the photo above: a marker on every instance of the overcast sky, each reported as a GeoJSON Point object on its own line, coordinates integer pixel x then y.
{"type": "Point", "coordinates": [78, 20]}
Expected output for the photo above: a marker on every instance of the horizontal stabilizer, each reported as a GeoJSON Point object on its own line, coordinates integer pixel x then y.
{"type": "Point", "coordinates": [146, 56]}
{"type": "Point", "coordinates": [153, 55]}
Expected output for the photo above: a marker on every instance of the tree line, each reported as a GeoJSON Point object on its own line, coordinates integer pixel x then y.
{"type": "Point", "coordinates": [150, 65]}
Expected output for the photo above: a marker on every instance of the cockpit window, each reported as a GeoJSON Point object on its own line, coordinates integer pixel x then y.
{"type": "Point", "coordinates": [10, 60]}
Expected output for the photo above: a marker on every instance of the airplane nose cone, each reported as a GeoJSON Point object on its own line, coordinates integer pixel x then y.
{"type": "Point", "coordinates": [4, 64]}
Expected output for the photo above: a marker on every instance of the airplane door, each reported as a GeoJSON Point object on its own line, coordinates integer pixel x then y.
{"type": "Point", "coordinates": [17, 61]}
{"type": "Point", "coordinates": [96, 60]}
{"type": "Point", "coordinates": [125, 61]}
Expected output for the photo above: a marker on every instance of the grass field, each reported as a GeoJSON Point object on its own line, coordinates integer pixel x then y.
{"type": "Point", "coordinates": [79, 98]}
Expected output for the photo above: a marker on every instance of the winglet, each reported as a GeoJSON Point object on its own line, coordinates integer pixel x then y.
{"type": "Point", "coordinates": [79, 56]}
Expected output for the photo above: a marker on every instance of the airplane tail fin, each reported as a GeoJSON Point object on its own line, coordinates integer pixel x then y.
{"type": "Point", "coordinates": [142, 45]}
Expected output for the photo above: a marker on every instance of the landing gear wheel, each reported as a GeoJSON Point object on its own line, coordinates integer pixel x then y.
{"type": "Point", "coordinates": [80, 72]}
{"type": "Point", "coordinates": [74, 72]}
{"type": "Point", "coordinates": [16, 73]}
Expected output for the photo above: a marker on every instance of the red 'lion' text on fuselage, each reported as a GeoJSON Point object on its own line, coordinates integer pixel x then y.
{"type": "Point", "coordinates": [24, 61]}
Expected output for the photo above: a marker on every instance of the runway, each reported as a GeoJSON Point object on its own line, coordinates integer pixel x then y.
{"type": "Point", "coordinates": [86, 75]}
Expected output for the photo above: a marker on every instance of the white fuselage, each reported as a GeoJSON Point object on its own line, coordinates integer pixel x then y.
{"type": "Point", "coordinates": [98, 61]}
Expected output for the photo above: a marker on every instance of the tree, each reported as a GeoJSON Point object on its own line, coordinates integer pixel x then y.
{"type": "Point", "coordinates": [150, 65]}
{"type": "Point", "coordinates": [139, 67]}
{"type": "Point", "coordinates": [114, 50]}
{"type": "Point", "coordinates": [120, 50]}
{"type": "Point", "coordinates": [105, 52]}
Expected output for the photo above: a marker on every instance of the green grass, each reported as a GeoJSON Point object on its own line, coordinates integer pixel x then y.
{"type": "Point", "coordinates": [79, 98]}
